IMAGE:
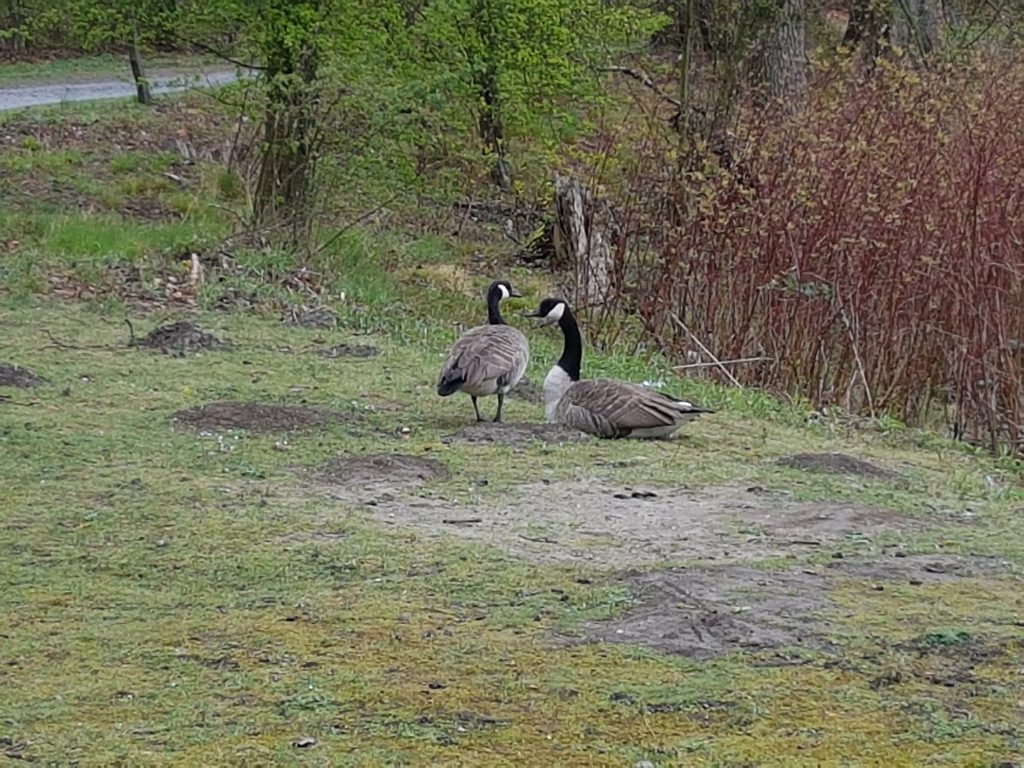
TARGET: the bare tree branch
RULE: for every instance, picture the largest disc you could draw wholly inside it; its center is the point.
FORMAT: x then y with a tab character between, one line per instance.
643	78
220	54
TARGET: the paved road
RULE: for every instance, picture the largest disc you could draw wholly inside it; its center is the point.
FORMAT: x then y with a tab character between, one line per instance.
59	93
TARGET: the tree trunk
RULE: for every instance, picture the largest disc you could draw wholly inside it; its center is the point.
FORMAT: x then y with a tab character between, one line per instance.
138	74
916	26
491	131
581	246
867	29
287	159
783	59
687	18
14	22
489	123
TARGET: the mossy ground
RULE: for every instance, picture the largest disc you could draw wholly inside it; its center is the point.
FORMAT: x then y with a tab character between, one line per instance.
175	597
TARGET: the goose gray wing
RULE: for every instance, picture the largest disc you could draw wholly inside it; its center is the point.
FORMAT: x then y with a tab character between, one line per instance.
611	408
487	353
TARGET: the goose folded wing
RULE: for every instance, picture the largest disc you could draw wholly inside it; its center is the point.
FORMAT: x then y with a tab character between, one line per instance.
489	355
624	405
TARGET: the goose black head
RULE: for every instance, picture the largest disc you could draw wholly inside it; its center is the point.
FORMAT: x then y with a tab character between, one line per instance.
550	311
502	289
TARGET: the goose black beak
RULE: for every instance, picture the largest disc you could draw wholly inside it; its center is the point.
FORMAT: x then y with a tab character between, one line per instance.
534	313
514	294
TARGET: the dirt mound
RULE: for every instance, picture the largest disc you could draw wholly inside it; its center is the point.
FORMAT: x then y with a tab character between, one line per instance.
705	612
837	464
180	339
257	417
919	569
489	433
391	469
310	317
12	375
527	390
351	350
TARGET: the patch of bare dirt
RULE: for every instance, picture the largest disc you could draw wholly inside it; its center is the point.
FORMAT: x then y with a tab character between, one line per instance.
12	375
180	339
351	350
387	470
489	433
919	569
148	209
703	613
258	417
623	527
709	611
310	317
837	464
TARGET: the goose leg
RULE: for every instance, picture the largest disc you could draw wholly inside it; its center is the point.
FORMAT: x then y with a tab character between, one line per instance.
476	408
501	402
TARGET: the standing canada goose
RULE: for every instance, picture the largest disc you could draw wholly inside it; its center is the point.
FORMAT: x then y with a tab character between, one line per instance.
603	407
489	359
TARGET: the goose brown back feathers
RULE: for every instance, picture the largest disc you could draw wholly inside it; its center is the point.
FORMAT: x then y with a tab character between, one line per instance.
611	408
489	359
603	407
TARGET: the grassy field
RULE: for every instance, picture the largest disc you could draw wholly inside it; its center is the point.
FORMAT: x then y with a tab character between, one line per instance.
203	562
107	67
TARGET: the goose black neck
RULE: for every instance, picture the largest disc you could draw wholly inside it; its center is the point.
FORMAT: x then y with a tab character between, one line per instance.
494	308
572	352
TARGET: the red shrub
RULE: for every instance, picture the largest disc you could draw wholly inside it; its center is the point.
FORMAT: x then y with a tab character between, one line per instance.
872	248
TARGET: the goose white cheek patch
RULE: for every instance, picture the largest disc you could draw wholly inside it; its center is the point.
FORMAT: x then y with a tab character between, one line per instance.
556	313
504	292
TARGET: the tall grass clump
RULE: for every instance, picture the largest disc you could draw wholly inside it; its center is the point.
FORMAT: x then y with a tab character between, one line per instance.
869	252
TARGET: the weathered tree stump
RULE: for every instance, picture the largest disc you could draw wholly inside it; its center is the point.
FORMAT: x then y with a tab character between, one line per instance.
583	252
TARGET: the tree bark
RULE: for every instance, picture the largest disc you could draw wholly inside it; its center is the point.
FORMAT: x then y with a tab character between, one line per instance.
687	18
916	26
489	123
581	245
143	93
492	133
783	59
287	158
867	32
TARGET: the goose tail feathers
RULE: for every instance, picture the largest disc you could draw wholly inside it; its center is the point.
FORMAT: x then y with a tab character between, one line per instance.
450	383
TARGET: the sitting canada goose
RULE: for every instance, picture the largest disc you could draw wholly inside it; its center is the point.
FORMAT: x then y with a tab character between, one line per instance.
489	359
603	407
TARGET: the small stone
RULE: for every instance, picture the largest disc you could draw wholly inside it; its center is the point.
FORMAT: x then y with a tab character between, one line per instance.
643	764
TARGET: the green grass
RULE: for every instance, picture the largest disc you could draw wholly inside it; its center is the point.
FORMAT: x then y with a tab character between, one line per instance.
171	595
105	67
180	598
